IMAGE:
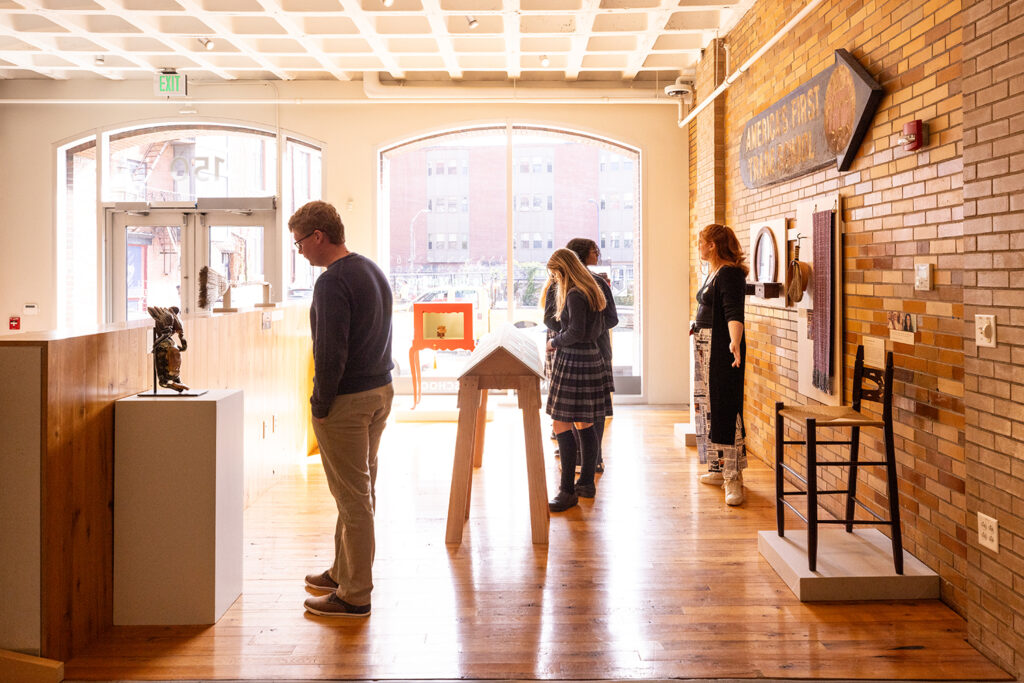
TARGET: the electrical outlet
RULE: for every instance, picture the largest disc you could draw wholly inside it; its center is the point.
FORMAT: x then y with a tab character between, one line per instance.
988	532
985	330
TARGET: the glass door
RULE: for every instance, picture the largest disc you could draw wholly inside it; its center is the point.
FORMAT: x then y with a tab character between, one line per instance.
155	255
145	257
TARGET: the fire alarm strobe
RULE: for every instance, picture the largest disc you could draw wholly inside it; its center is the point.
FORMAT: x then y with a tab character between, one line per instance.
14	323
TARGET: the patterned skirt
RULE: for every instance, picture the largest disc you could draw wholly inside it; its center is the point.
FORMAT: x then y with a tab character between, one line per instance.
730	459
581	387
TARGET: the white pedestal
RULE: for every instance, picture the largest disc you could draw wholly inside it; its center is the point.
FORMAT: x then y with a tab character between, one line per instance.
178	498
851	566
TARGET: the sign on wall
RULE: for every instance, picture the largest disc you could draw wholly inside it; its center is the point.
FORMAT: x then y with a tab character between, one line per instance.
823	120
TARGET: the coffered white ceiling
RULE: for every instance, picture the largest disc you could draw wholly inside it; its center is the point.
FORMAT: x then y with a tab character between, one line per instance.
427	40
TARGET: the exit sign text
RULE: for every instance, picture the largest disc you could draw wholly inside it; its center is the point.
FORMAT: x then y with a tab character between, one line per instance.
170	85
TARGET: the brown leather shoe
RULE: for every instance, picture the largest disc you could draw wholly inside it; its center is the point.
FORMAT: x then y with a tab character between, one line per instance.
321	582
333	606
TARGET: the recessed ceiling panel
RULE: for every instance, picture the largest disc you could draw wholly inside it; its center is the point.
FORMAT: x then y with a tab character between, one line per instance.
550	23
184	25
9	44
545	44
233	6
140	44
255	26
693	21
345	45
620	22
106	23
624	43
70	5
427	44
152	6
550	5
607	61
311	6
28	23
680	41
276	45
338	25
478	44
405	25
631	4
75	44
470	6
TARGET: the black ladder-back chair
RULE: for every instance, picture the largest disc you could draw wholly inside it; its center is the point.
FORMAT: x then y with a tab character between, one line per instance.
840	417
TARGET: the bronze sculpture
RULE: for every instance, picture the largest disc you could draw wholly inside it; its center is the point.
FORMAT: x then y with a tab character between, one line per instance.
167	356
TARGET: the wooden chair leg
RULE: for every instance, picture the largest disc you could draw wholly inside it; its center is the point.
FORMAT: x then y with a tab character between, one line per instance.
780	430
851	484
893	494
812	494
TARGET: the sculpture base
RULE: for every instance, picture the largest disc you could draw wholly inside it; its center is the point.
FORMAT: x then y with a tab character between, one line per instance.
171	393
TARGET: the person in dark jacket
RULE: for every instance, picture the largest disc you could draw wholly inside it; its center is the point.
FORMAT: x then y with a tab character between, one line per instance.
719	359
579	394
350	321
589	254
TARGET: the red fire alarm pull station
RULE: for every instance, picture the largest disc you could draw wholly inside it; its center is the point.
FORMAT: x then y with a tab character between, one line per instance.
15	323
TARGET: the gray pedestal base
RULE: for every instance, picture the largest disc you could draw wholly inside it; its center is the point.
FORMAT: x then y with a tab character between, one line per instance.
851	566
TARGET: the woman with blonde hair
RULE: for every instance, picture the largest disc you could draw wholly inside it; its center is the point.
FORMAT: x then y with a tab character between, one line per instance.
719	359
579	393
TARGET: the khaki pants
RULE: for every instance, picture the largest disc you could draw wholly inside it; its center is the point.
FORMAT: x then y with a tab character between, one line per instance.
348	439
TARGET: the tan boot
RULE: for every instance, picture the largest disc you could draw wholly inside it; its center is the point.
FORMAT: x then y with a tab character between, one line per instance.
712	478
734	491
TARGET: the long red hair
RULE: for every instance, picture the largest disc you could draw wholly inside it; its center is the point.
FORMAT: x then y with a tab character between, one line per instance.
726	244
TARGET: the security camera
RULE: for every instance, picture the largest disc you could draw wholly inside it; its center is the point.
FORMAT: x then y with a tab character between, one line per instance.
677	89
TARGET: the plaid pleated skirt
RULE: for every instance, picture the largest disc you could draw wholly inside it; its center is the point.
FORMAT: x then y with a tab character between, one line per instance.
581	386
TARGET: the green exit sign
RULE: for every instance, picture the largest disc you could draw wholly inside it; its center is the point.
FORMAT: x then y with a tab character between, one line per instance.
170	85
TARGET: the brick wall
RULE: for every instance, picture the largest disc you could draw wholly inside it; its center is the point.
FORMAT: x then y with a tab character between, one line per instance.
958	414
993	280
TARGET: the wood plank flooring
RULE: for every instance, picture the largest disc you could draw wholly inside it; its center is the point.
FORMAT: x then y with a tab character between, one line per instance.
655	578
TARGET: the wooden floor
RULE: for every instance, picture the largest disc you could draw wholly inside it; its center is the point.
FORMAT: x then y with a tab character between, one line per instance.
656	578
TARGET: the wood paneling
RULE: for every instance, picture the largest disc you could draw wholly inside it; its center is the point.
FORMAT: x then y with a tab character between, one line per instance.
656	578
83	376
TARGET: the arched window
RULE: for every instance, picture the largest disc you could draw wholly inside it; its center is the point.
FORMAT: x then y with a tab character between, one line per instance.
176	192
500	245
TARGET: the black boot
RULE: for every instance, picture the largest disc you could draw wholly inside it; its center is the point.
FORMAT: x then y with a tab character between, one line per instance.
588	445
567	453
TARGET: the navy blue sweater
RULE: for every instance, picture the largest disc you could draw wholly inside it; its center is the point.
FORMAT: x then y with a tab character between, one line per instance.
350	319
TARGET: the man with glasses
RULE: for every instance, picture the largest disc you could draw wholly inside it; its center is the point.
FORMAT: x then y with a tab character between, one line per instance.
350	321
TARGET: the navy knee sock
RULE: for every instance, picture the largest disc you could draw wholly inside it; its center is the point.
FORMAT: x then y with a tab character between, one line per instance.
588	445
567	454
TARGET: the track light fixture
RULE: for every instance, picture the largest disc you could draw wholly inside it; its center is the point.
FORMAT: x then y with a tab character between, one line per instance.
387	3
544	61
471	20
206	43
99	60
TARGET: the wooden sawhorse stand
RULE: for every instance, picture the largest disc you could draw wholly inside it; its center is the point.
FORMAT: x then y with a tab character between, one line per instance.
499	370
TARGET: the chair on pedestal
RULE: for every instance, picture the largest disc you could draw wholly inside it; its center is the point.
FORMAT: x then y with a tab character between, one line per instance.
840	418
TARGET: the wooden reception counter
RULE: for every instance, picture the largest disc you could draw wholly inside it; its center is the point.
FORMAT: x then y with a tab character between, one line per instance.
56	455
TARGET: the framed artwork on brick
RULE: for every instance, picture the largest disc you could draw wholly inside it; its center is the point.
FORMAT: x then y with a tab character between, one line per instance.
806	306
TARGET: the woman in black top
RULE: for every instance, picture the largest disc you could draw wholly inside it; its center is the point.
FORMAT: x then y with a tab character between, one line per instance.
579	392
719	355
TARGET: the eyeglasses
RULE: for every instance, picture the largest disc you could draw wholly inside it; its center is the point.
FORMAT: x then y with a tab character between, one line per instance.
298	242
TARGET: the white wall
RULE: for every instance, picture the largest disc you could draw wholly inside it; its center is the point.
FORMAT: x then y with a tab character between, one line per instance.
353	133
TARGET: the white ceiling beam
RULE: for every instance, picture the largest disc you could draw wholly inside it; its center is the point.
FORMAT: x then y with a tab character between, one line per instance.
223	31
439	27
656	21
581	37
510	13
368	32
180	46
